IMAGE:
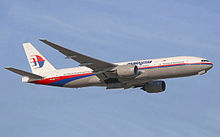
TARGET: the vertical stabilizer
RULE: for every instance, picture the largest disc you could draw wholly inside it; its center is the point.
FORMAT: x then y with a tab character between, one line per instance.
38	63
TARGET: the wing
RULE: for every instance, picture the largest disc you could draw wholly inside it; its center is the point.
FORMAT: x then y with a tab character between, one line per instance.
99	67
95	64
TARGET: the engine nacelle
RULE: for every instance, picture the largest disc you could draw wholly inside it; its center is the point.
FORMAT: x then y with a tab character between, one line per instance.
127	70
154	86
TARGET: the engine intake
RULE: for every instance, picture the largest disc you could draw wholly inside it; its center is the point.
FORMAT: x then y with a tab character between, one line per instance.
154	86
127	70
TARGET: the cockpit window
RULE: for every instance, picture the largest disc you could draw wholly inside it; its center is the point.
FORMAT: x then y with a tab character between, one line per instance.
204	60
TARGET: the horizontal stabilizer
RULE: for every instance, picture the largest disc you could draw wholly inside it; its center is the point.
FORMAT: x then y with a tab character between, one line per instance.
24	73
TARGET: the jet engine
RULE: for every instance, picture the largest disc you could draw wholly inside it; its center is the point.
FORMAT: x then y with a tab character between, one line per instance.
154	86
127	71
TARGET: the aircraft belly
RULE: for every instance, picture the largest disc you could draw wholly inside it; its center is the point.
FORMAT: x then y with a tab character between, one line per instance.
170	72
146	75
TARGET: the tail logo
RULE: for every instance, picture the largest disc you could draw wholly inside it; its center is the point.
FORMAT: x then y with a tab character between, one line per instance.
38	61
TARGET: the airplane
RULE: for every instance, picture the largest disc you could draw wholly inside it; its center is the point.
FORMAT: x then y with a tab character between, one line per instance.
144	74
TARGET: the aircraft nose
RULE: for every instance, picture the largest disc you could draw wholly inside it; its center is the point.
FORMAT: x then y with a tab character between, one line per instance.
209	66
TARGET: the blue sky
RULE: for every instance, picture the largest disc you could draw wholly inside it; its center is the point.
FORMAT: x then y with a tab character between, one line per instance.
114	31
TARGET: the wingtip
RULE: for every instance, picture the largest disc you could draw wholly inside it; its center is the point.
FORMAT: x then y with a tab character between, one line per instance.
7	68
26	43
42	40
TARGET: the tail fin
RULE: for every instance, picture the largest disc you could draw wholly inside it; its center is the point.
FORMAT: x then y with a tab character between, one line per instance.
38	63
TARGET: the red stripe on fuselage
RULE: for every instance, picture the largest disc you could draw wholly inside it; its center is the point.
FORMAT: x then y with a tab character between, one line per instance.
47	81
169	65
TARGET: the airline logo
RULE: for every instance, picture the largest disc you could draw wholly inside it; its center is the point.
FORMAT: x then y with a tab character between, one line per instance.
140	62
38	61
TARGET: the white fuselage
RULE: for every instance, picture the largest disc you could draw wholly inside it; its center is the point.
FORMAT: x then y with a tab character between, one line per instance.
150	69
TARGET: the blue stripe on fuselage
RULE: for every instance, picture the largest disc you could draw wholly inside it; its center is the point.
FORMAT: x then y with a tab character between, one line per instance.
163	66
64	81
